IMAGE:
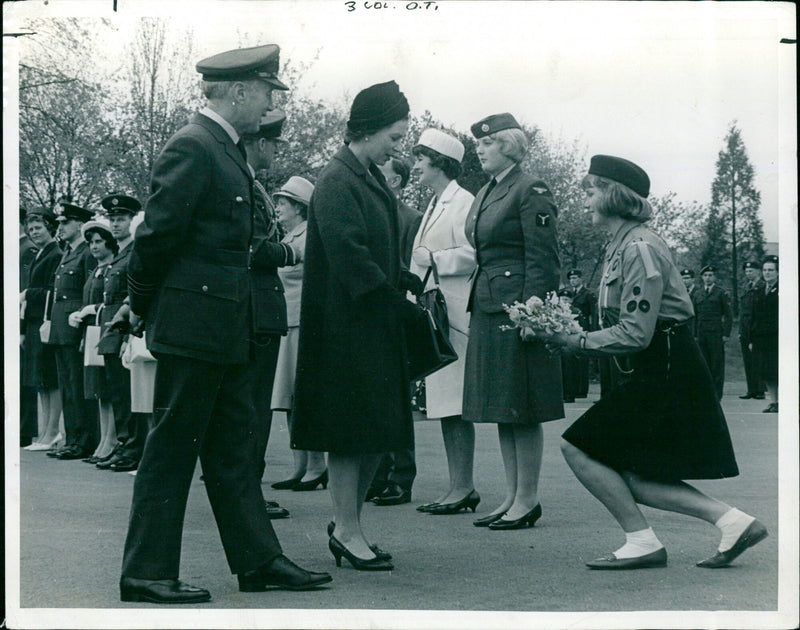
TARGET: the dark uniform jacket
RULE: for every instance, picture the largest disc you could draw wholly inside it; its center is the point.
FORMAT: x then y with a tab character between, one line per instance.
41	275
520	257
746	312
27	252
712	311
75	267
765	312
202	271
115	290
586	303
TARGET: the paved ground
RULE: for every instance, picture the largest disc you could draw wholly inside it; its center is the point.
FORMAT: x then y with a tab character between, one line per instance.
73	521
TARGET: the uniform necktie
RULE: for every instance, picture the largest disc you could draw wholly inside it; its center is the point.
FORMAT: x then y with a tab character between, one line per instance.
240	146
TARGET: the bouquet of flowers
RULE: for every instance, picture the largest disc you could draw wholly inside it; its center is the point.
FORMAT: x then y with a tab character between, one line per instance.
546	317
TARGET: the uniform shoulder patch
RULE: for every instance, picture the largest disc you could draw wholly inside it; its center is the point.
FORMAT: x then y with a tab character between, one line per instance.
542	219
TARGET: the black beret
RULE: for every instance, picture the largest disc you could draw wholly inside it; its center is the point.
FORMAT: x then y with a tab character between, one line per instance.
69	211
710	268
494	123
687	272
376	107
622	171
770	258
750	265
574	272
42	212
565	292
120	204
244	64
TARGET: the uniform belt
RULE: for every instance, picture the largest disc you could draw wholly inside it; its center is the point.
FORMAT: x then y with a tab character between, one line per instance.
667	325
224	257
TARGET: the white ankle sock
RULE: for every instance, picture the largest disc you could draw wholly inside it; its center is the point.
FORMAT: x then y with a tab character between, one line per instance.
732	524
639	544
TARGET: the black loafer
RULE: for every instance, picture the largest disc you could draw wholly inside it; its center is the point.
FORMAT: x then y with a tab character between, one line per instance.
393	495
71	452
275	511
657	558
161	591
755	533
281	573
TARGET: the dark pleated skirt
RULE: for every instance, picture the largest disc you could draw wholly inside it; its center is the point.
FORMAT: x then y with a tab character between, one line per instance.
507	380
38	361
663	421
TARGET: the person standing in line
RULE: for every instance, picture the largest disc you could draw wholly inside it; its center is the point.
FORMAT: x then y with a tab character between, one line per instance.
352	390
28	422
637	444
191	276
713	323
291	202
688	278
755	388
764	331
131	428
260	148
441	242
586	302
39	367
511	381
395	476
96	387
77	264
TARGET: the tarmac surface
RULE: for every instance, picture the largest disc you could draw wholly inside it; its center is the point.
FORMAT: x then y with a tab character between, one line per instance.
73	521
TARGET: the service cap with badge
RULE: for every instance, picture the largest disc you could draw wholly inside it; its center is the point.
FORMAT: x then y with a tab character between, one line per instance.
574	273
493	124
66	211
244	64
118	203
271	125
708	269
687	273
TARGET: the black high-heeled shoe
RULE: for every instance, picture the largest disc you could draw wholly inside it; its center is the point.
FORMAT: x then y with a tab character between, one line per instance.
526	520
311	484
286	484
469	502
487	520
426	507
372	564
379	553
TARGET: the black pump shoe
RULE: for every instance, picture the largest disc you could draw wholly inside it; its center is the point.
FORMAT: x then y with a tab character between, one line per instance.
286	484
311	484
487	520
372	564
379	553
526	520
469	502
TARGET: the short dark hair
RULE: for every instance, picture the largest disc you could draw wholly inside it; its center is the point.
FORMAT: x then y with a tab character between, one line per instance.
401	168
49	223
110	241
450	167
302	208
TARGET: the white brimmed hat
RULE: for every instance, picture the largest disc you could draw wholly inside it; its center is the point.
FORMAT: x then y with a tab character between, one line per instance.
297	188
97	222
443	143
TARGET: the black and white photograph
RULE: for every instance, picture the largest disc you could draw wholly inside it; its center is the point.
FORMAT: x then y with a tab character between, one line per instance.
400	314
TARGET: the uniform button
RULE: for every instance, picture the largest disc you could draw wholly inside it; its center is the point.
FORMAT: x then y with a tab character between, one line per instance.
507	273
205	288
239	199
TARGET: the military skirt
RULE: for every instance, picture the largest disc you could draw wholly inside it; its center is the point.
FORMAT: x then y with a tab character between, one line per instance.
508	380
663	420
38	360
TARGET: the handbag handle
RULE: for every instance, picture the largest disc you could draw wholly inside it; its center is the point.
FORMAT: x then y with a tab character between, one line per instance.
97	315
433	269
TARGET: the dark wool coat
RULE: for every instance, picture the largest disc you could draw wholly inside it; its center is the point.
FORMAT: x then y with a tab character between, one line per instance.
73	270
201	270
352	393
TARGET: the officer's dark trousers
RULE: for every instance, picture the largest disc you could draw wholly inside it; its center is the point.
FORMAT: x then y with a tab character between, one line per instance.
754	384
206	410
396	467
713	350
80	415
265	353
131	427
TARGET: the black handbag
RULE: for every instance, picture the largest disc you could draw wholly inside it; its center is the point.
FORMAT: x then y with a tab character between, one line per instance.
428	341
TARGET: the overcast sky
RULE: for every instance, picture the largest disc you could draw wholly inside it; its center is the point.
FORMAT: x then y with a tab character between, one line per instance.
657	83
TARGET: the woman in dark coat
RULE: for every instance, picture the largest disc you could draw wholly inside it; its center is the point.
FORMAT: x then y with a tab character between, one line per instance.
764	331
663	424
511	381
39	369
352	396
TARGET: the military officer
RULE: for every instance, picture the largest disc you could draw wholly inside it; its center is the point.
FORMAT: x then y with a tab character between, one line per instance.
586	302
755	388
131	428
192	277
80	415
712	324
688	276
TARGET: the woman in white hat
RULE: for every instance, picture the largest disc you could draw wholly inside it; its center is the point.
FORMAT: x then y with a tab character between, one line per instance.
441	244
291	203
103	247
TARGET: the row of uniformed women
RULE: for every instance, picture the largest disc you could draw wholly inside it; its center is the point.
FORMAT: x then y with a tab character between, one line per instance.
351	396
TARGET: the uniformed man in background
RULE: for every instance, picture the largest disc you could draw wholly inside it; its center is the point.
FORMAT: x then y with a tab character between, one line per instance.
585	301
755	388
191	276
713	323
80	415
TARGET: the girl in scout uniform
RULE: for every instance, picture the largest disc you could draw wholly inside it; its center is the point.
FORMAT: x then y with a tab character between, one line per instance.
663	424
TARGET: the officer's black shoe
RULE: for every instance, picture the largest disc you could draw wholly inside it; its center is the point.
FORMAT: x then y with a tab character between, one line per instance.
281	573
